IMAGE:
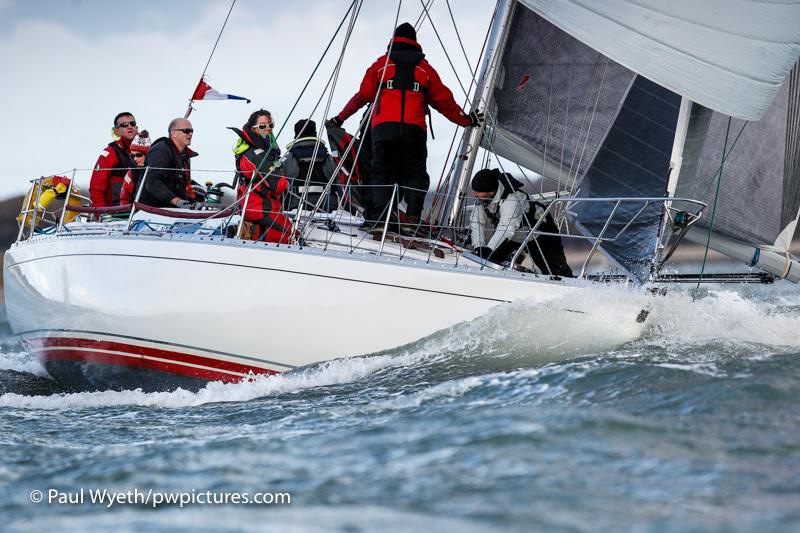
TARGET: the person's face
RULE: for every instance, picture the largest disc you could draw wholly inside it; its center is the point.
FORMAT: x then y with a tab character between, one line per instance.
126	127
485	197
182	134
138	158
263	125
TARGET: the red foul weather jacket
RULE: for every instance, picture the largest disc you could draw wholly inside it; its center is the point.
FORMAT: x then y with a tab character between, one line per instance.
264	207
109	172
404	106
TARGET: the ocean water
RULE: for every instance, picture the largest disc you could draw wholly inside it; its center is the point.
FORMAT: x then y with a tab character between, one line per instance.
529	419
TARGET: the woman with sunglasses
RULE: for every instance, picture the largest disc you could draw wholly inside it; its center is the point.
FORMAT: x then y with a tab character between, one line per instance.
257	155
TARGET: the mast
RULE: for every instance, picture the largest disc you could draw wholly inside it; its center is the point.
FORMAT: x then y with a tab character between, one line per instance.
675	163
471	139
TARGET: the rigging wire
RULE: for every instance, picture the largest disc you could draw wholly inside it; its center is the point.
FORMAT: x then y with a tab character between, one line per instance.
725	151
213	49
332	83
445	181
367	117
243	200
421	17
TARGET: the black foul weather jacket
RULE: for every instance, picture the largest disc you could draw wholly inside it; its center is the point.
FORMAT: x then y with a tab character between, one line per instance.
169	174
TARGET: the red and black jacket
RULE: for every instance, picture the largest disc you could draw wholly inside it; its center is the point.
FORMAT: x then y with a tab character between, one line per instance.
263	205
109	172
403	101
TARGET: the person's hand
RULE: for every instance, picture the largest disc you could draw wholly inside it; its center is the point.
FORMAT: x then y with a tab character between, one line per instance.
475	118
336	121
184	204
483	252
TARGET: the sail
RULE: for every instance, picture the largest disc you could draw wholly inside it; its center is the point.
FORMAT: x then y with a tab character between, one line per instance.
727	55
555	100
589	93
573	115
758	179
632	162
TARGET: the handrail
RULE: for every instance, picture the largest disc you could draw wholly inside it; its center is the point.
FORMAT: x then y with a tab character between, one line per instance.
196	214
408	241
600	238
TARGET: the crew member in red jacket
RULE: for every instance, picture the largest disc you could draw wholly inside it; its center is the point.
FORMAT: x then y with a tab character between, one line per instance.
113	164
259	184
405	85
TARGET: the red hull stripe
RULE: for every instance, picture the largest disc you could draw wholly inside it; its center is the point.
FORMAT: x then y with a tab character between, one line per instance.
97	351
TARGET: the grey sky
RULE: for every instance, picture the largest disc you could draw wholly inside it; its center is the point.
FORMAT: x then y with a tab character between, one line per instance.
69	66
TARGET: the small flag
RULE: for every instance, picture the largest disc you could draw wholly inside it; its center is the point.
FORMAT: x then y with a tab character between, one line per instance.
523	82
205	92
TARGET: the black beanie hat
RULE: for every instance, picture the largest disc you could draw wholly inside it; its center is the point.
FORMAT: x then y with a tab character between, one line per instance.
310	129
406	30
486	180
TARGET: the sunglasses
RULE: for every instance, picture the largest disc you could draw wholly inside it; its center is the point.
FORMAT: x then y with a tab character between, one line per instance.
263	126
137	154
187	131
132	124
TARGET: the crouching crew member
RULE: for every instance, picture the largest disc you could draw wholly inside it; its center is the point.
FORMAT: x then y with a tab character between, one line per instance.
502	202
257	155
301	157
168	183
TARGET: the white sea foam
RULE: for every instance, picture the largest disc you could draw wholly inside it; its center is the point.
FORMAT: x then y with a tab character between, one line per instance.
577	324
722	316
335	372
21	362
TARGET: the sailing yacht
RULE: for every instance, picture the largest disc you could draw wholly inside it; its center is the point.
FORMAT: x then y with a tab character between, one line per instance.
659	124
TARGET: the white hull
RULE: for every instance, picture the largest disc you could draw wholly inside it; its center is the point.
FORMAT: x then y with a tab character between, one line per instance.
208	308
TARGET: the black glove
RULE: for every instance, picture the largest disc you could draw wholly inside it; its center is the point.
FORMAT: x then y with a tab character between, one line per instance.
475	118
483	252
336	121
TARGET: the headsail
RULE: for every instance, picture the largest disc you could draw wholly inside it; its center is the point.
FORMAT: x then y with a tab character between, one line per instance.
591	124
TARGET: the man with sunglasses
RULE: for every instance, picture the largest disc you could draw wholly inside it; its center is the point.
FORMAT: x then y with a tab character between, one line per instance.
168	182
114	163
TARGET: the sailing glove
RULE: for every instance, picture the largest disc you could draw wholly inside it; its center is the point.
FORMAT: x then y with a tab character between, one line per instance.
475	118
336	121
184	204
483	252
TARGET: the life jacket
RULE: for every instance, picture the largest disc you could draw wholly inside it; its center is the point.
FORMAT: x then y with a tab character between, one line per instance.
404	97
120	170
309	160
533	212
254	152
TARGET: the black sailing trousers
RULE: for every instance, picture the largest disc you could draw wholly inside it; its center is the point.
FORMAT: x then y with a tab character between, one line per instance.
401	162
